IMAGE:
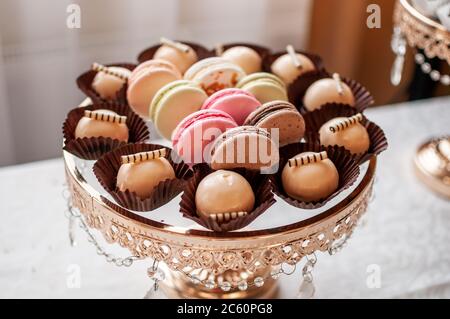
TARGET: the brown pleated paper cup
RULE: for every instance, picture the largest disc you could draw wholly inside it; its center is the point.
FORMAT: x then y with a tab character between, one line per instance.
263	199
345	164
84	82
94	147
107	167
314	121
201	51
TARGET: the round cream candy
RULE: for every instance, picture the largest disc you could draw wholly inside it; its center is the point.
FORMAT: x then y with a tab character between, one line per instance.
354	138
245	57
143	177
310	182
182	60
326	91
284	67
224	192
107	85
88	127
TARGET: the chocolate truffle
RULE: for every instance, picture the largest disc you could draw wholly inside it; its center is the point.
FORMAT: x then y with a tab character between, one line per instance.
177	53
290	66
109	80
346	132
326	91
310	177
102	123
224	195
142	172
245	57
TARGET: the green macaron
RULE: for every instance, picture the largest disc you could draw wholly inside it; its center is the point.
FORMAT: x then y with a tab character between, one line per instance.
265	87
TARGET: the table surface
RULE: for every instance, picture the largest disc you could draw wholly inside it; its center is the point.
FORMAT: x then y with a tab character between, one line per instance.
401	250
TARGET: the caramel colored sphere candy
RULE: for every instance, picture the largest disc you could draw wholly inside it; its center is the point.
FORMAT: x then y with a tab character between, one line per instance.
284	67
326	91
107	85
182	60
89	127
245	57
143	177
354	138
310	182
224	192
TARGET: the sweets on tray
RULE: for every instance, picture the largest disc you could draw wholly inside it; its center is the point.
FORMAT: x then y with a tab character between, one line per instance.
247	58
264	86
109	80
224	195
279	115
142	172
173	102
310	176
347	132
291	65
145	80
328	90
179	54
102	123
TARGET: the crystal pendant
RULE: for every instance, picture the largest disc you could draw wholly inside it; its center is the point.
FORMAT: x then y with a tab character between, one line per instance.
306	290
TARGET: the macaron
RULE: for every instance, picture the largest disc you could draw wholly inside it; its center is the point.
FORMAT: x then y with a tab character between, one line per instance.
179	54
264	86
247	58
328	90
173	102
279	115
145	80
215	74
291	65
246	147
193	136
235	102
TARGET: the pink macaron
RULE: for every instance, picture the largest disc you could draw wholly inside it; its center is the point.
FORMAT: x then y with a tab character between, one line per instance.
235	102
192	139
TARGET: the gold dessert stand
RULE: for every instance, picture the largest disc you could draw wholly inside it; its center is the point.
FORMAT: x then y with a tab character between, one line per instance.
192	256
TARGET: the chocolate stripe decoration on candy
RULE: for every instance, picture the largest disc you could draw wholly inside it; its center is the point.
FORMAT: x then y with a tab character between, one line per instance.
176	45
346	123
227	216
307	159
338	80
101	68
106	117
143	156
290	50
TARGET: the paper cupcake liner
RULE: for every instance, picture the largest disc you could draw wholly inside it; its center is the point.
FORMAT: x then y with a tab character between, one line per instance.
263	199
314	121
363	98
84	82
262	50
202	52
107	167
345	164
93	147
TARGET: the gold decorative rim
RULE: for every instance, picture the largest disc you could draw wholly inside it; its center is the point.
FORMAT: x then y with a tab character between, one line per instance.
422	32
180	247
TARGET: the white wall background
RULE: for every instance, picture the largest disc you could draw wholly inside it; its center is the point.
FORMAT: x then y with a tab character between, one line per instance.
40	57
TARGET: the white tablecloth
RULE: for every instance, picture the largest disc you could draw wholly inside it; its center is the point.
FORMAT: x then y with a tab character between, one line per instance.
402	251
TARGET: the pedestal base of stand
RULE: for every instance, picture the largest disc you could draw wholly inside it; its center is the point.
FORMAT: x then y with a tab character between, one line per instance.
178	285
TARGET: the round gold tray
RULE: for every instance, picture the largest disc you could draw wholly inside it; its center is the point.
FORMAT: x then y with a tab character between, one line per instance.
422	32
181	248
